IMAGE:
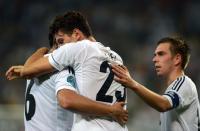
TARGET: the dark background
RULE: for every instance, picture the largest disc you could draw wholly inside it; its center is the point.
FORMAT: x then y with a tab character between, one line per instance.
130	27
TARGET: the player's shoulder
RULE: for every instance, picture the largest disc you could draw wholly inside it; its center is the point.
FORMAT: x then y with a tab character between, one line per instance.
111	54
45	78
184	85
187	82
115	58
118	57
177	84
77	44
190	85
66	70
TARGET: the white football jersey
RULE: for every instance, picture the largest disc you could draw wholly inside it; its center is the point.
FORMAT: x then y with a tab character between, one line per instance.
94	77
184	115
42	110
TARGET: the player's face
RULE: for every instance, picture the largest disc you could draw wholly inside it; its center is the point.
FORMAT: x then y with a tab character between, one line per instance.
163	59
63	38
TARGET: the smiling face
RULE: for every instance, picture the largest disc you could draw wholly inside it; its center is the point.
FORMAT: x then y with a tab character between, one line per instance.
163	59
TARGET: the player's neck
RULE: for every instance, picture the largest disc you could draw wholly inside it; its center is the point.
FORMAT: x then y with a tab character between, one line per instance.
83	38
174	75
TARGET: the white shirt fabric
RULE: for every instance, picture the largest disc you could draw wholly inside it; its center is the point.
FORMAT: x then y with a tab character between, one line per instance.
42	110
90	61
184	115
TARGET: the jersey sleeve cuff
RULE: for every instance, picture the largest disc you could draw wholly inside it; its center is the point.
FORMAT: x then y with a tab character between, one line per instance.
169	99
173	98
65	87
54	63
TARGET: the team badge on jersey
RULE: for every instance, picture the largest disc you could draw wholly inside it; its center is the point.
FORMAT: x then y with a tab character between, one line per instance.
72	81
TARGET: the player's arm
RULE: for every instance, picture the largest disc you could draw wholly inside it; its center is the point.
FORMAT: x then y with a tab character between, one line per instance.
59	59
36	65
15	72
70	100
153	99
36	55
37	68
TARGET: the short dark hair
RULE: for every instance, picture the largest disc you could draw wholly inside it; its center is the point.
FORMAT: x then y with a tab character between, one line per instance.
51	38
178	46
67	23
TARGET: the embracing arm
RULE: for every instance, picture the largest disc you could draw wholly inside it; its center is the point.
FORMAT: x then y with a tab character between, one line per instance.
153	99
36	55
70	100
39	67
35	65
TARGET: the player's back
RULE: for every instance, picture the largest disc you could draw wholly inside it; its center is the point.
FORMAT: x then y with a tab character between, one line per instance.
94	76
95	81
42	111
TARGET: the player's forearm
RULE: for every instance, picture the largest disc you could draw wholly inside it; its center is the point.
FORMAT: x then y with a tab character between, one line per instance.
156	101
80	104
39	67
35	56
86	106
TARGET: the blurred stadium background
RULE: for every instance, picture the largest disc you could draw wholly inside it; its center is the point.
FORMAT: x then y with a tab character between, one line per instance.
130	27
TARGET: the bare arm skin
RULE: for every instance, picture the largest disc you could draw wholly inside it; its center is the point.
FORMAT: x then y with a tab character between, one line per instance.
39	67
15	72
153	99
70	100
36	55
33	67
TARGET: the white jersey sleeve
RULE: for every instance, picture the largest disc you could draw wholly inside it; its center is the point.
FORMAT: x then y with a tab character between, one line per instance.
65	55
66	80
180	93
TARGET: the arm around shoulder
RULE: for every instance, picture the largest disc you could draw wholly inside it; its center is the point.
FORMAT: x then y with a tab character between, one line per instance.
37	68
36	55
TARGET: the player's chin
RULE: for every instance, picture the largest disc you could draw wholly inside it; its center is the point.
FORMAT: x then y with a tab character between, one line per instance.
159	73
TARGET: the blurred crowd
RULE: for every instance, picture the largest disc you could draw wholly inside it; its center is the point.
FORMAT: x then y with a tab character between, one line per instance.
130	27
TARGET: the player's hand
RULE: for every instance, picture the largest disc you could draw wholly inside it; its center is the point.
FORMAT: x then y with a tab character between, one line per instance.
123	76
119	114
14	72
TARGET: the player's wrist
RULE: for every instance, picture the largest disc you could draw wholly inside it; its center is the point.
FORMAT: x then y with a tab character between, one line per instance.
111	111
114	112
23	73
134	85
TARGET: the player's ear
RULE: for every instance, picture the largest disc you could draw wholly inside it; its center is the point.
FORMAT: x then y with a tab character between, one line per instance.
77	35
177	59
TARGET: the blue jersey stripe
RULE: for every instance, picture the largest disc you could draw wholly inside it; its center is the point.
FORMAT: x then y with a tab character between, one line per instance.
177	83
174	97
181	84
54	60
